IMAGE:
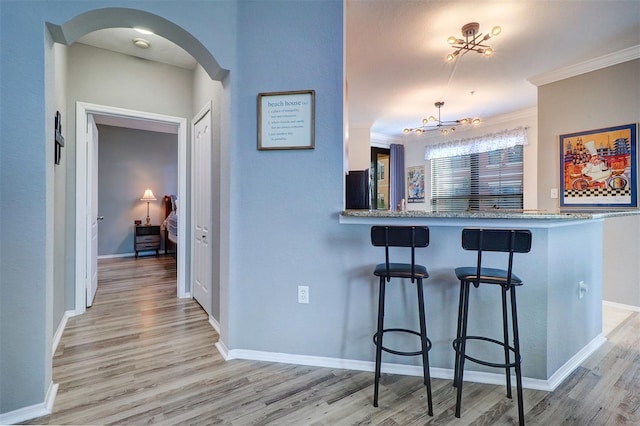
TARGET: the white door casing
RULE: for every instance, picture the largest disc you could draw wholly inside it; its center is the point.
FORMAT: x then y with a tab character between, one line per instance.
92	210
201	202
83	168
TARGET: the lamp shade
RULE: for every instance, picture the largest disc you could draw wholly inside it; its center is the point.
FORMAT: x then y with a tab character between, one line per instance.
148	195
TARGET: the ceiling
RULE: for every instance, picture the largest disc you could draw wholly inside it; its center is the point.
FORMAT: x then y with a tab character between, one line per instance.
396	68
121	40
395	52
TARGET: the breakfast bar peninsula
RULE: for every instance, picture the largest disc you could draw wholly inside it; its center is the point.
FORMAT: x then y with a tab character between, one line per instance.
559	304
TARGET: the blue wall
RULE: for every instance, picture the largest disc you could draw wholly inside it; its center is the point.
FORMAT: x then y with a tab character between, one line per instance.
130	161
284	204
287	201
23	192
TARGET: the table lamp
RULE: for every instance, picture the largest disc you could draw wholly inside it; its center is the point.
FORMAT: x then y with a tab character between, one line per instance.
148	197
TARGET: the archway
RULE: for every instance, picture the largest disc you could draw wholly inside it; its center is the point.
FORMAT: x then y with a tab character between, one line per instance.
118	17
74	29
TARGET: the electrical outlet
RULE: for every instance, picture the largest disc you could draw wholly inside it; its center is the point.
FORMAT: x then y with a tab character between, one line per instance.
303	294
554	193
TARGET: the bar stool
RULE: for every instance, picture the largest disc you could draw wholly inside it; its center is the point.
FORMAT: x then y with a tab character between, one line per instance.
492	240
401	236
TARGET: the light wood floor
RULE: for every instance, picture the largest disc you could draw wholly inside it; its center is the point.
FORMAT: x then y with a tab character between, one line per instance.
142	356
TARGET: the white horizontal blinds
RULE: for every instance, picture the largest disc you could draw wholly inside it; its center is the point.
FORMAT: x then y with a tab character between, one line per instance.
479	181
450	183
499	179
478	173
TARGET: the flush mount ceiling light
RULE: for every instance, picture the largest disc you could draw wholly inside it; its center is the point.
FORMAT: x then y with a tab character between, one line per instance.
141	43
445	127
143	31
473	41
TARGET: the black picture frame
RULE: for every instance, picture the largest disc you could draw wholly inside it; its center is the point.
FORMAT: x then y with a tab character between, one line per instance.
58	138
286	120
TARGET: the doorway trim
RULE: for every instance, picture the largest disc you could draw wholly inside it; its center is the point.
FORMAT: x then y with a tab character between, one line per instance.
214	239
83	109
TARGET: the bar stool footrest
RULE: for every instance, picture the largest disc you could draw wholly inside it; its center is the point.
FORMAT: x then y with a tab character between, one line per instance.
456	347
403	353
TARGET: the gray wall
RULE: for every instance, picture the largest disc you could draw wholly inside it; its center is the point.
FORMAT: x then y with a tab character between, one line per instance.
60	298
130	161
109	78
598	99
621	283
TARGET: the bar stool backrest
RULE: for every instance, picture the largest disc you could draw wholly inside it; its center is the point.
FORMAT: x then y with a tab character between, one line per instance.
496	240
400	236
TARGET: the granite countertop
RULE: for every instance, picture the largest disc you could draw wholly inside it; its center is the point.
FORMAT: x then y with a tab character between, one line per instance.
495	214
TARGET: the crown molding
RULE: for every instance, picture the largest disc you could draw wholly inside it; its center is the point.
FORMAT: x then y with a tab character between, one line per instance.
384	141
595	64
522	114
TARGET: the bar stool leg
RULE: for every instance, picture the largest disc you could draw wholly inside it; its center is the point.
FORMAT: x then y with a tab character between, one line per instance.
425	349
462	345
379	340
505	329
458	334
518	362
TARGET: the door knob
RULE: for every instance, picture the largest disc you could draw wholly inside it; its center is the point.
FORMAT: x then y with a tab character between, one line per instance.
100	217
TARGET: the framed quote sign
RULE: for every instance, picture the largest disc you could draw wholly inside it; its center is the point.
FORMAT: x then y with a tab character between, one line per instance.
286	120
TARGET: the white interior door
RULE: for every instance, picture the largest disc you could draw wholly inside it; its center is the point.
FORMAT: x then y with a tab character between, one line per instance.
201	196
92	209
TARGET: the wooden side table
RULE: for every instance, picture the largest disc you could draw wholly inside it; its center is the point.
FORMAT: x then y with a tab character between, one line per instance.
146	237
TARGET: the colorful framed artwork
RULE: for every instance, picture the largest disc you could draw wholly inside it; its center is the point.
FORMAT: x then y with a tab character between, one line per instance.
598	168
415	184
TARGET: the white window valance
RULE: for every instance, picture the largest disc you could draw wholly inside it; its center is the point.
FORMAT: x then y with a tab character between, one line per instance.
485	143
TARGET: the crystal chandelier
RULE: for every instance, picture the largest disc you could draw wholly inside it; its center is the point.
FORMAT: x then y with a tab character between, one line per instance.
445	127
473	40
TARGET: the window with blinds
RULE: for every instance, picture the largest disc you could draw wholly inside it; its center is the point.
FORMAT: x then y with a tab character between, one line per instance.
475	182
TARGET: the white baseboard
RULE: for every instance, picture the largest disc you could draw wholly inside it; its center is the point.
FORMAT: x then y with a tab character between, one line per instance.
350	364
316	361
621	306
33	411
223	349
563	372
51	397
415	370
114	256
60	330
215	324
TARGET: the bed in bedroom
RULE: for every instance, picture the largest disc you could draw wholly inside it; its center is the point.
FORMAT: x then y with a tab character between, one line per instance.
170	223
